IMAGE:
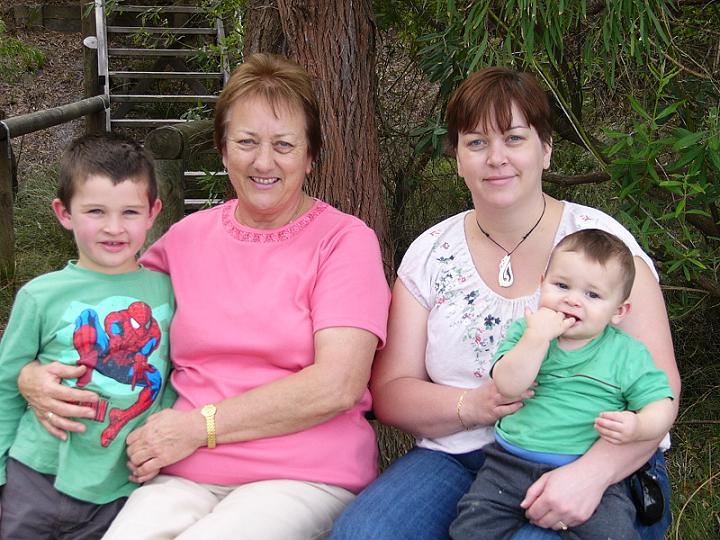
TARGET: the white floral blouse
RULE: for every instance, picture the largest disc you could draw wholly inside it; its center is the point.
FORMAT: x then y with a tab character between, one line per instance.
467	320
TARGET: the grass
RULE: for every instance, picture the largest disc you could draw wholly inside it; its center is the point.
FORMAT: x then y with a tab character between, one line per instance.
693	461
17	57
41	244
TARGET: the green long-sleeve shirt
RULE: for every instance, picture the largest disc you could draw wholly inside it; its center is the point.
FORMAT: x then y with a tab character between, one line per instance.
118	322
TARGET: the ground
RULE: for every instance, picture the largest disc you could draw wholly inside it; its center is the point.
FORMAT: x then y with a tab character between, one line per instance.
59	82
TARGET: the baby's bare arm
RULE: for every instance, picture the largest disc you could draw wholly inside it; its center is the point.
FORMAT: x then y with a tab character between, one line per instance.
518	368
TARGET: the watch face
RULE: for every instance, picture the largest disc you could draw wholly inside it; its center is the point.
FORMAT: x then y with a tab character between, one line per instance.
208	410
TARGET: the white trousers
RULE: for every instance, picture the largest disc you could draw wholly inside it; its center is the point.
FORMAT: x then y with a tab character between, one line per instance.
169	507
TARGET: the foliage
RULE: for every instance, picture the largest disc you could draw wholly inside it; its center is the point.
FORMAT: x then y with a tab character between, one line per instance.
666	174
17	57
230	50
41	244
629	85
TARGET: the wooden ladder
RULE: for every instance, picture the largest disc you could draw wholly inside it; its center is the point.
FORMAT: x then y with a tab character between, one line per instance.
128	88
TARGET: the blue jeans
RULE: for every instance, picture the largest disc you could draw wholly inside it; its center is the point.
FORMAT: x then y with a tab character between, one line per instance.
416	499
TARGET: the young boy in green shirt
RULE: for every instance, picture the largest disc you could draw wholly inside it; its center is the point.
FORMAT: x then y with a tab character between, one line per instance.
592	380
103	312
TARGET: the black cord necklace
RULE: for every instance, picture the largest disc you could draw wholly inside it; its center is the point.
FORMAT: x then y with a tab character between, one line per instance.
505	274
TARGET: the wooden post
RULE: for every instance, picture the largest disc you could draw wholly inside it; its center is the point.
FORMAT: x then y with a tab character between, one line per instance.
171	191
7	232
94	123
172	146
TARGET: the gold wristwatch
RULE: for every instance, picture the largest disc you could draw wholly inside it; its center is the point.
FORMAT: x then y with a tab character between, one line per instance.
208	411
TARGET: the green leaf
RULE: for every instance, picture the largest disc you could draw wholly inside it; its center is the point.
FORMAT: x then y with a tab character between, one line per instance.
688	140
670	184
479	53
670	109
616	148
680	208
658	26
638	108
714	158
529	34
698	212
697	163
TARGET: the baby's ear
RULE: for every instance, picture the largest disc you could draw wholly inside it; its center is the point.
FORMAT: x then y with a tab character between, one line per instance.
62	213
622	310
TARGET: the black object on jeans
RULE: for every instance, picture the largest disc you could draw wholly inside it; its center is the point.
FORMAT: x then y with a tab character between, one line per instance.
647	495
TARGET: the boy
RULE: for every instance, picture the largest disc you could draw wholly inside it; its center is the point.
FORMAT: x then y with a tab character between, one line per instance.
583	366
103	312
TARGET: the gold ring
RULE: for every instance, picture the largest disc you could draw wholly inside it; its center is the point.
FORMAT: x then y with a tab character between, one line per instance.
562	525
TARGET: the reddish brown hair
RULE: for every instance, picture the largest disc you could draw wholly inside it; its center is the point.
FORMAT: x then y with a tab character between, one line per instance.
488	95
600	247
281	82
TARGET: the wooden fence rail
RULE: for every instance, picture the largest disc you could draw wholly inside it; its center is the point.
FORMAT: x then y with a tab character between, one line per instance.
16	127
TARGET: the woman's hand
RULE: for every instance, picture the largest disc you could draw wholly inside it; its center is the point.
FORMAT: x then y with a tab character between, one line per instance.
563	496
484	405
53	402
166	438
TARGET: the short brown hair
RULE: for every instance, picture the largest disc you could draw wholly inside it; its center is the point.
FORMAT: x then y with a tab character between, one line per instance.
114	156
489	94
600	247
279	81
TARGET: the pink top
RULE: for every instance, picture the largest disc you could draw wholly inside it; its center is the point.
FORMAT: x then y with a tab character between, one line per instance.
248	305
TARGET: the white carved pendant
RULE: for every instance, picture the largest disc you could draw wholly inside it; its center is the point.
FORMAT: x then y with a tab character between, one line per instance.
505	275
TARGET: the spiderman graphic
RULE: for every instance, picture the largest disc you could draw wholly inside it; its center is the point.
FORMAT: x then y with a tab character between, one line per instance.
120	350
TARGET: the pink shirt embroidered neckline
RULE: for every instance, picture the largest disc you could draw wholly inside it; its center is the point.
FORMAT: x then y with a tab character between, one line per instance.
260	236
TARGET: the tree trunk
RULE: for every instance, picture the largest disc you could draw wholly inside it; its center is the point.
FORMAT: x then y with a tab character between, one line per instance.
263	30
335	41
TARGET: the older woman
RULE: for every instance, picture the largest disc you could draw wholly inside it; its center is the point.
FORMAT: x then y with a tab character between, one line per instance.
459	287
282	303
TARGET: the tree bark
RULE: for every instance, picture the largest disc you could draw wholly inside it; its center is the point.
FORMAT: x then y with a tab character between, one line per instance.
263	30
335	41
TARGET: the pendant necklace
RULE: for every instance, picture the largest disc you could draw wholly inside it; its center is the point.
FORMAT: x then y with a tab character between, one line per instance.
505	273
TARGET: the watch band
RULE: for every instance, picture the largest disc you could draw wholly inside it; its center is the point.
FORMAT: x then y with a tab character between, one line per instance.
208	411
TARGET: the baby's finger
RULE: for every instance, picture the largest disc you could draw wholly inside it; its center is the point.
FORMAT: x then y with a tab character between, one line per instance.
607	425
610	438
567	323
612	415
527	394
